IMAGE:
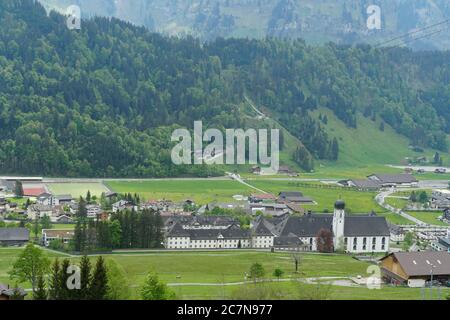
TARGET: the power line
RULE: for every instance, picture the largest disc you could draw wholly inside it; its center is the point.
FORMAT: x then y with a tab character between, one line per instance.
428	35
413	32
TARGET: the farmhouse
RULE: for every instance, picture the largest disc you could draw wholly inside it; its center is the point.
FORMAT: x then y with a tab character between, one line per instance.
365	184
48	235
394	180
258	198
14	236
37	211
293	196
415	268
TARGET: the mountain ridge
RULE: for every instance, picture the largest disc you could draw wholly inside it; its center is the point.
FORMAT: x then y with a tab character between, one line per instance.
317	21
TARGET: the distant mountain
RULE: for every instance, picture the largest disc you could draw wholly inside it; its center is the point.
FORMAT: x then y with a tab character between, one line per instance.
103	101
317	21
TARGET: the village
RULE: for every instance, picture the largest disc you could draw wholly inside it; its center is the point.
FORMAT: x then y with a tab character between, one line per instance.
282	222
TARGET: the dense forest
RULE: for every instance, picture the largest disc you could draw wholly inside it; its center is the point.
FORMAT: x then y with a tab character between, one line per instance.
102	101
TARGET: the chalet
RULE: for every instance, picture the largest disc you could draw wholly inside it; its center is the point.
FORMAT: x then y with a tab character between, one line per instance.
272	209
93	210
442	243
415	268
7	293
49	235
123	205
258	198
14	236
54	200
63	219
63	199
394	180
397	233
44	199
294	196
36	211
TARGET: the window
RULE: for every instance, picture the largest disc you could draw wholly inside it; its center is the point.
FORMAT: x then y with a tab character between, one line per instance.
345	241
364	241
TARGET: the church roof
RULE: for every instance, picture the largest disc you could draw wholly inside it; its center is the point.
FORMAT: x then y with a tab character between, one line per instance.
370	226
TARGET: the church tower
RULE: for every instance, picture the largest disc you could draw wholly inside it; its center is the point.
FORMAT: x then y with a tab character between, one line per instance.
338	224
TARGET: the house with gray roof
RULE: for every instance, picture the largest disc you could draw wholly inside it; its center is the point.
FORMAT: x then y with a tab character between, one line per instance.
365	184
14	236
7	293
416	268
294	196
394	180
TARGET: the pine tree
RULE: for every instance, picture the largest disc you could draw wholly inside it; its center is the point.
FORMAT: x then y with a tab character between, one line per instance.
99	284
41	292
65	292
54	285
18	191
85	278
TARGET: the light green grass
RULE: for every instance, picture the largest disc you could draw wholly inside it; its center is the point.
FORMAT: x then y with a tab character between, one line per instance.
355	201
201	191
77	189
428	217
230	266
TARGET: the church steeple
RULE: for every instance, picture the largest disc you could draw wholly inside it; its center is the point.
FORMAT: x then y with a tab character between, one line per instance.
338	224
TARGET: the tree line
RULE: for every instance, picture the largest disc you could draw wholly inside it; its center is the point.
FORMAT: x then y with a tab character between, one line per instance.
104	100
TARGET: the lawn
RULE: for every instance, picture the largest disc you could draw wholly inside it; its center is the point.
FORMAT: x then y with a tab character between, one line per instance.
428	217
216	267
77	189
202	191
356	201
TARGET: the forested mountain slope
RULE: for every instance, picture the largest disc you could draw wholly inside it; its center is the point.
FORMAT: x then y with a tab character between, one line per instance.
103	101
317	21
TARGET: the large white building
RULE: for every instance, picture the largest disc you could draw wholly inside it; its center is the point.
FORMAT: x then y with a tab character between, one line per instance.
350	233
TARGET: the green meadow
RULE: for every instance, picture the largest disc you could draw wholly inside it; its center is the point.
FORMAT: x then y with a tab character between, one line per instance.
77	189
202	191
209	270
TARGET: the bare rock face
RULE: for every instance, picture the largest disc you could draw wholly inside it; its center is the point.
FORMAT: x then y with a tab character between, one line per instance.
318	21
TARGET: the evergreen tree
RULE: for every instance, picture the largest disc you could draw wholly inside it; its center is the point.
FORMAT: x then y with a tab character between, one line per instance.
41	292
99	284
18	190
85	278
55	281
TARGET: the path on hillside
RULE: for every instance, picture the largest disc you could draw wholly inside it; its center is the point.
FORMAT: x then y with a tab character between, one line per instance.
238	178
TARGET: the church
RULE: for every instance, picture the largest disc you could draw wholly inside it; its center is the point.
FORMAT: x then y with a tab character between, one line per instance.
351	233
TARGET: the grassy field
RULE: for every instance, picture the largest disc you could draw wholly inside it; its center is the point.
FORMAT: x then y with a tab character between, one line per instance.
77	189
356	201
217	267
428	217
201	191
